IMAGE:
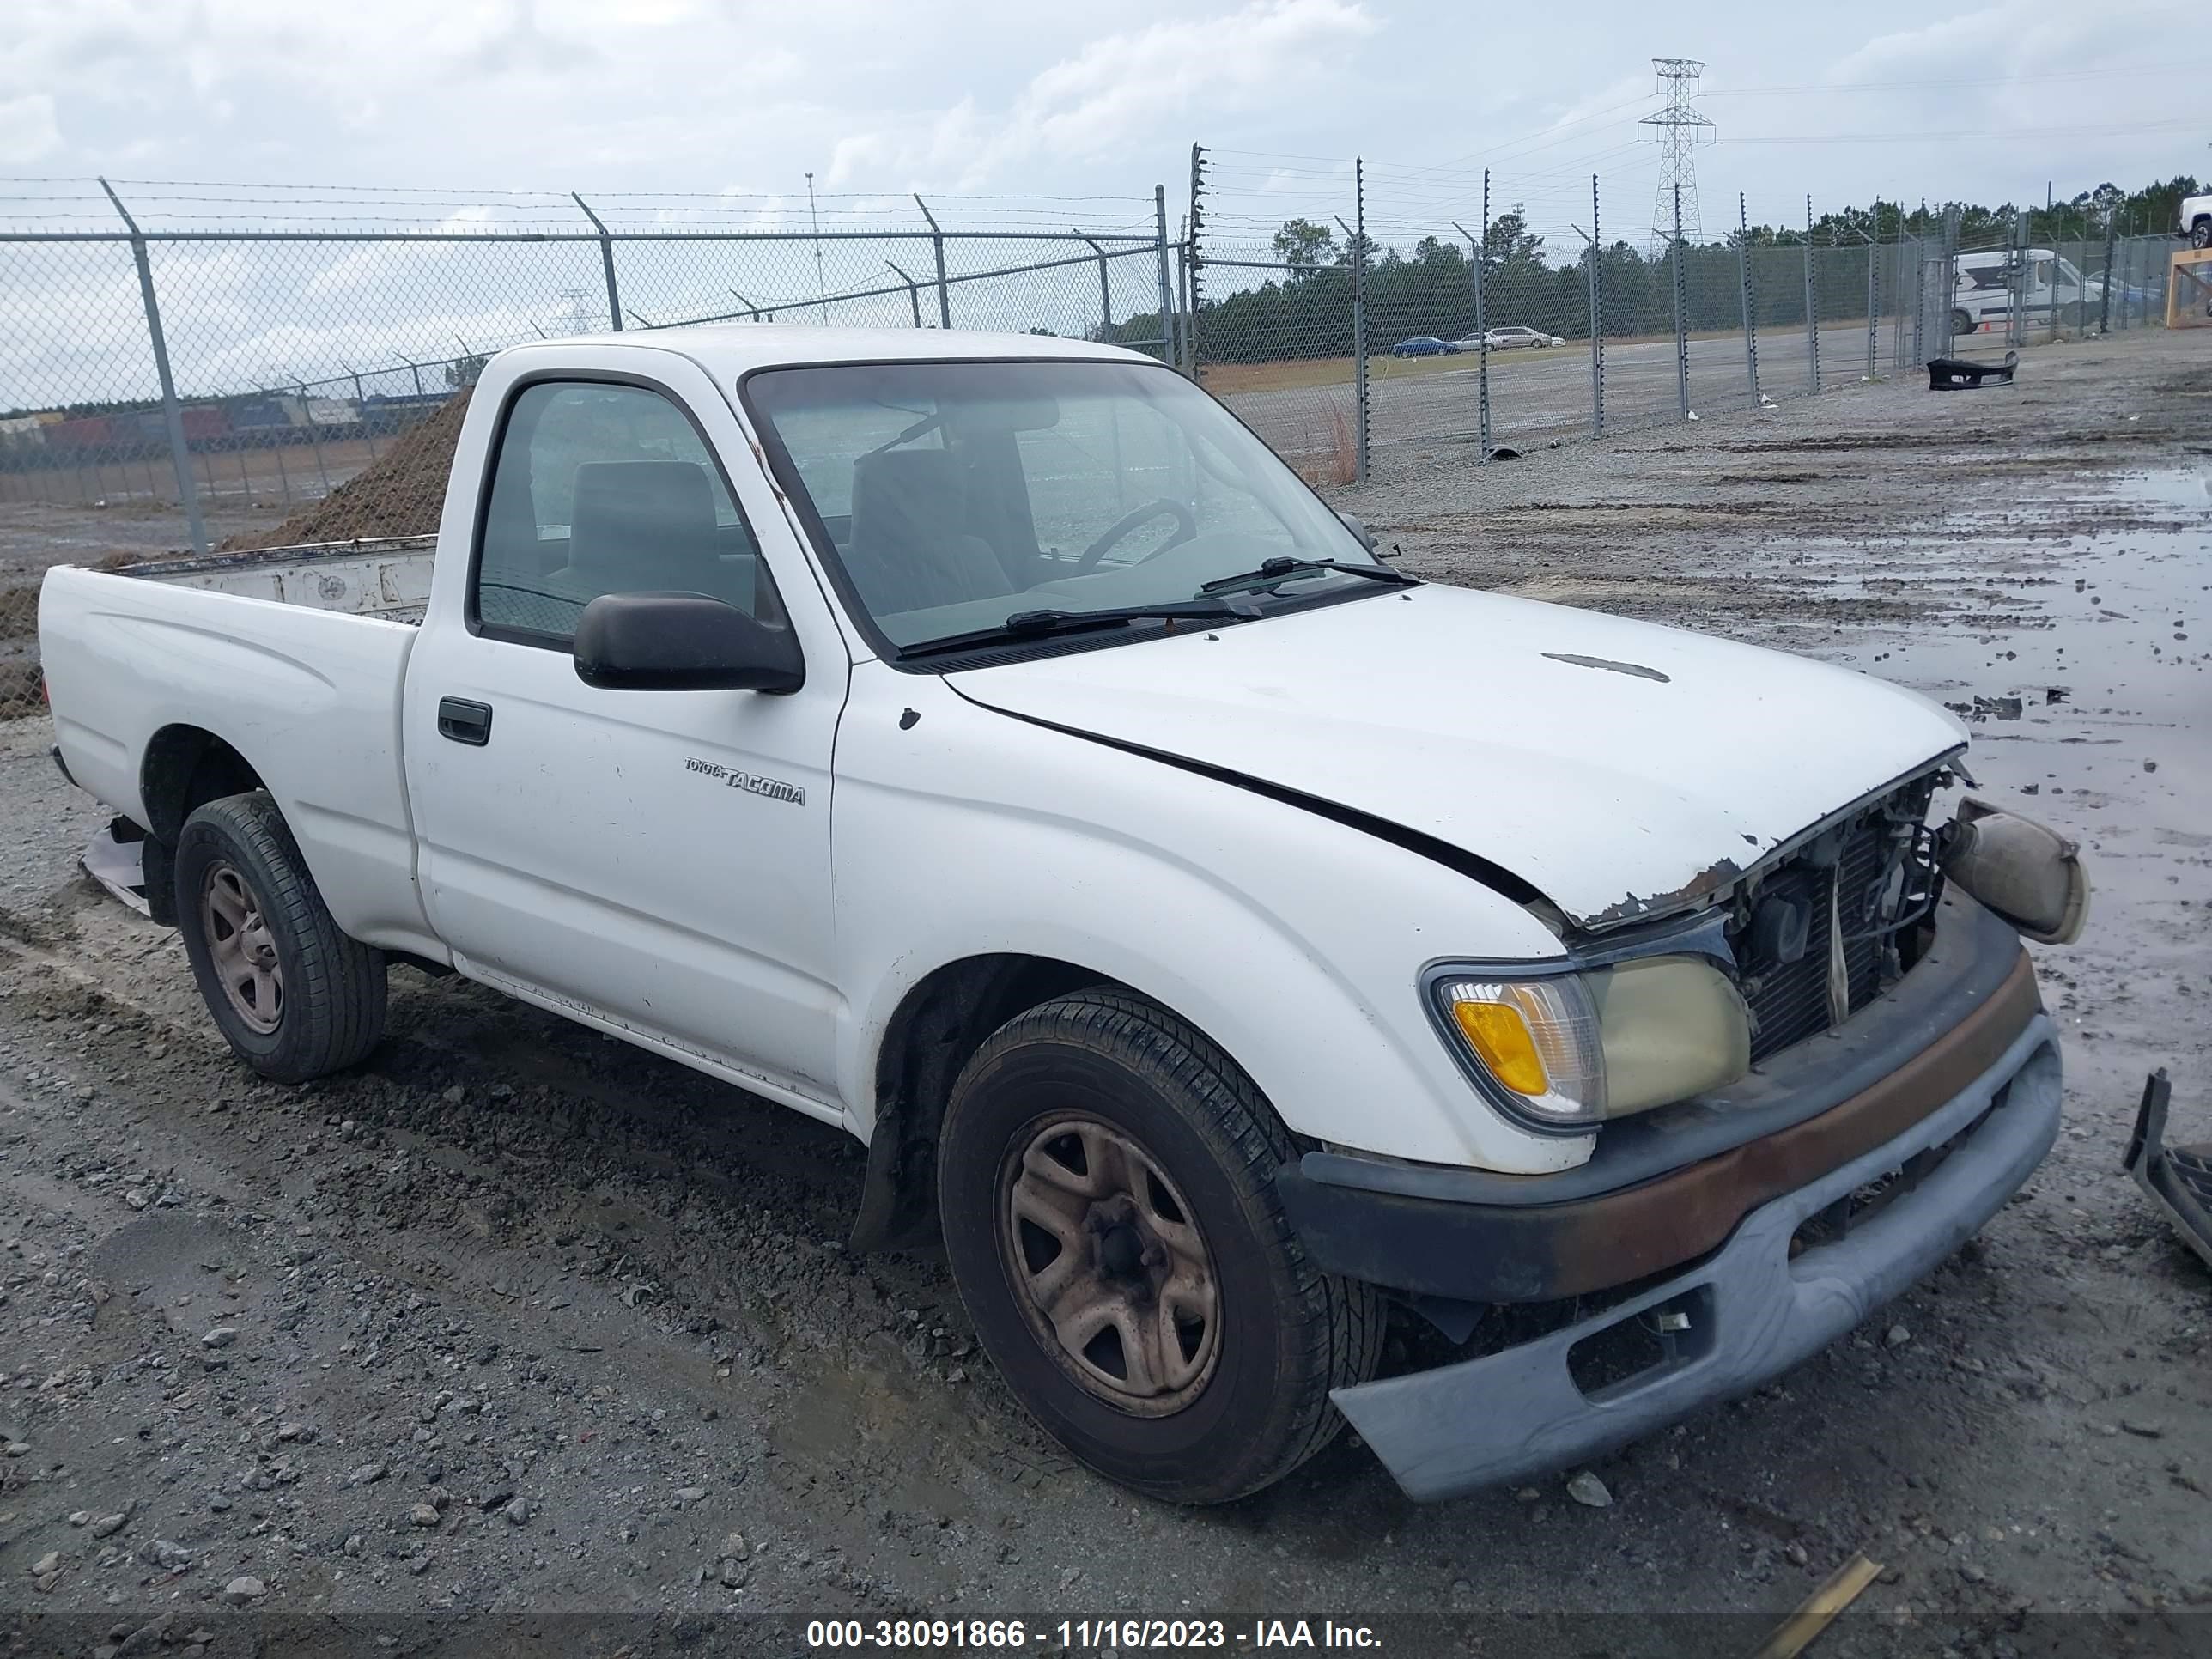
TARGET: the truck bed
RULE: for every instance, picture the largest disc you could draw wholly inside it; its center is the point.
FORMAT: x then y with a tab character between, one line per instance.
294	657
388	578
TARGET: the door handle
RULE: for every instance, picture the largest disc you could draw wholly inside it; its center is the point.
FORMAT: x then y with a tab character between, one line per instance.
464	722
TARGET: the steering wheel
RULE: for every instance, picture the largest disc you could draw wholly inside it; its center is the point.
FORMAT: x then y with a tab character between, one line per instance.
1185	527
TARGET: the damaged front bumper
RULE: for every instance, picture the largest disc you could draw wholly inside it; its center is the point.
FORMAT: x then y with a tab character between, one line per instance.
1767	1300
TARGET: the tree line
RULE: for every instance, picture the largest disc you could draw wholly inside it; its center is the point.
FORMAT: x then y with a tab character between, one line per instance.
1429	290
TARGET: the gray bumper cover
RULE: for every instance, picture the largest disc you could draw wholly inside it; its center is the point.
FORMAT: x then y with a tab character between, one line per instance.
1519	1412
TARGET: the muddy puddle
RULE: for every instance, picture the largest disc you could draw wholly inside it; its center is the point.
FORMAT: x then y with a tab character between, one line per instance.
2072	634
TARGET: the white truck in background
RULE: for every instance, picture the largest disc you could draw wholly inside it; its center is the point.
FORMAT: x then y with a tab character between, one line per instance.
2195	217
1219	940
2042	283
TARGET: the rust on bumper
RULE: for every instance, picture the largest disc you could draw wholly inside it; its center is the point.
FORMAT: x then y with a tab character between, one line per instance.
1476	1249
1620	1236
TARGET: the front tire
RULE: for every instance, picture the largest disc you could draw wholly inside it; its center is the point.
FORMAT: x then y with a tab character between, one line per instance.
2200	234
1961	323
1105	1182
294	996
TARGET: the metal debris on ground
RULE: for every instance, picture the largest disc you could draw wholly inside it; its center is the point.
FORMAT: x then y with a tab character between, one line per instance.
2178	1178
115	864
1964	374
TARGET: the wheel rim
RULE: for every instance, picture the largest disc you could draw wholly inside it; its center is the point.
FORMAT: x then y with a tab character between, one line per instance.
240	949
1108	1267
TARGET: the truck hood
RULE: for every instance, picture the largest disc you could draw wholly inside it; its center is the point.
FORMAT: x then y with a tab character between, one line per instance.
1621	768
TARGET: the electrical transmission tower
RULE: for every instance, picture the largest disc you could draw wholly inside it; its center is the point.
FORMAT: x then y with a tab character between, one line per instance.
1681	129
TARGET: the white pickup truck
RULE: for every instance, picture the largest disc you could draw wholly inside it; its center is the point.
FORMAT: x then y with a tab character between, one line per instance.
1220	940
2196	220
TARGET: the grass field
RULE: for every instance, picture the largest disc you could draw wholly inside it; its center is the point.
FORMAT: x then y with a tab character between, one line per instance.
1303	374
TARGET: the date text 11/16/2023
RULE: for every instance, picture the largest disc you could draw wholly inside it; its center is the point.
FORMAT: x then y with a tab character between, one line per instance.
1084	1635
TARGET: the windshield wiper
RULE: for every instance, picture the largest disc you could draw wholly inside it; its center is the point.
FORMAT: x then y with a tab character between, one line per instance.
1275	570
1036	624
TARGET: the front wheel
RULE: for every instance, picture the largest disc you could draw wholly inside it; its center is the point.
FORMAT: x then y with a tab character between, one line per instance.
294	996
1961	323
2200	234
1105	1182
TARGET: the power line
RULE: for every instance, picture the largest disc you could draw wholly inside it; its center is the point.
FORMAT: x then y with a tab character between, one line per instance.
1975	80
2114	131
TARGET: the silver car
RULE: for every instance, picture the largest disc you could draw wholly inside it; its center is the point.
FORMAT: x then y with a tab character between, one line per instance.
1505	339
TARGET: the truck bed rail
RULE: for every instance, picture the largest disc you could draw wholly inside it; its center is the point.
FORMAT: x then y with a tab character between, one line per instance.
387	577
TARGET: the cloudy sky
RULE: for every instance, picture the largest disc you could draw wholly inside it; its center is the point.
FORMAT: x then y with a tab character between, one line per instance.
1017	97
456	114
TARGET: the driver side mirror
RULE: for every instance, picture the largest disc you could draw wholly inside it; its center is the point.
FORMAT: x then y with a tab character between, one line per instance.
683	642
1358	528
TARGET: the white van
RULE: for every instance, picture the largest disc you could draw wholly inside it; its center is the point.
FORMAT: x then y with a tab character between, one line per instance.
1982	295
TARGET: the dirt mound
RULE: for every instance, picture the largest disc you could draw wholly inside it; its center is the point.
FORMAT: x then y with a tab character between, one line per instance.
397	495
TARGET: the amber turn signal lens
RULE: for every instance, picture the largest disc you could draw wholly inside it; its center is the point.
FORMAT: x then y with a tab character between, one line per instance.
1500	1039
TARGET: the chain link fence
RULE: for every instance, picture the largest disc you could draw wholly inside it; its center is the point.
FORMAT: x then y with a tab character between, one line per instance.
1369	321
299	373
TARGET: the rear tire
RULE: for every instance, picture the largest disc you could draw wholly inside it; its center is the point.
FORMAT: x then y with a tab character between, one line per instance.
1106	1186
294	996
2200	234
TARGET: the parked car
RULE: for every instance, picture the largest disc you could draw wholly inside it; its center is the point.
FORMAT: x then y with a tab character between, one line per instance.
1506	339
766	700
1468	343
1423	345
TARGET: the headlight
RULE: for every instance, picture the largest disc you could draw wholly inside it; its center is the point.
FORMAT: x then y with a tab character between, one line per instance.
1571	1050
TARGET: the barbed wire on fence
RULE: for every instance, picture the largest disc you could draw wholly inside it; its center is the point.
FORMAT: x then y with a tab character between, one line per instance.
209	362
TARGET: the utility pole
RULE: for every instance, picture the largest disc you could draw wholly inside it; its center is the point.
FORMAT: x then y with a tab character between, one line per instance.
1169	354
1812	304
912	293
606	263
1105	289
1195	264
1681	313
1680	129
173	420
1358	238
1750	295
821	285
937	244
1597	316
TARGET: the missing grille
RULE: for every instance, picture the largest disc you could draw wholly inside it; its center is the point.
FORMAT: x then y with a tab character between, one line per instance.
1856	890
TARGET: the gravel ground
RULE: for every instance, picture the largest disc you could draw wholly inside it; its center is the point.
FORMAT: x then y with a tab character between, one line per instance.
517	1324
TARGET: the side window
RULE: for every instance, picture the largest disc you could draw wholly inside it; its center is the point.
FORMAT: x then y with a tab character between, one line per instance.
600	488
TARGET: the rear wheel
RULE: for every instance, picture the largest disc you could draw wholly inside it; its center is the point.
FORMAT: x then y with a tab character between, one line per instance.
2200	234
1106	1188
294	996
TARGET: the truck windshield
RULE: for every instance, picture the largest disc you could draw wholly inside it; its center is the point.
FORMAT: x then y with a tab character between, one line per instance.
948	496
